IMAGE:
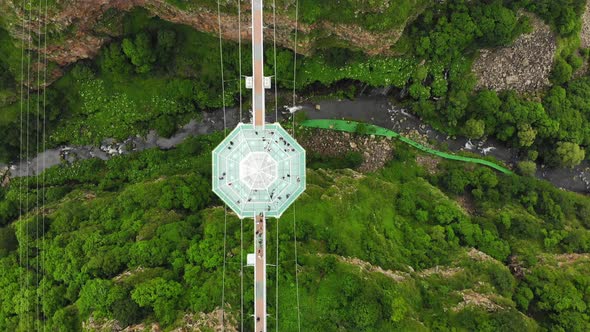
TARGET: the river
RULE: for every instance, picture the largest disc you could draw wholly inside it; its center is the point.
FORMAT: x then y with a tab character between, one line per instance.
377	110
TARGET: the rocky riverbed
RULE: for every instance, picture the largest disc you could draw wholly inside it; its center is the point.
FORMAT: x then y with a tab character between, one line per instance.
211	122
380	111
376	110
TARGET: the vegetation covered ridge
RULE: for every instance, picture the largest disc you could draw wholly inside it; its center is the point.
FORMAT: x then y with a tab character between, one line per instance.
139	239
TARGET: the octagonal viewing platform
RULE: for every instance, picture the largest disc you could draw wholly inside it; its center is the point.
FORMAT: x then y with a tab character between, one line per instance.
259	170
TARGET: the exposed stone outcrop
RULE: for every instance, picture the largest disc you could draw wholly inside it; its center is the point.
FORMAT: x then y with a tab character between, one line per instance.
209	322
585	33
376	151
190	322
79	22
364	266
563	260
472	298
524	66
479	256
443	271
4	176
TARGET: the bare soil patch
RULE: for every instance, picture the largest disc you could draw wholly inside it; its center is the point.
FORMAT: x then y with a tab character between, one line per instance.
398	276
473	298
445	272
208	322
430	163
562	260
466	202
191	322
376	151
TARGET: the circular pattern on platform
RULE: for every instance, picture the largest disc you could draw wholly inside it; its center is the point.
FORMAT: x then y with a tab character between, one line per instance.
258	170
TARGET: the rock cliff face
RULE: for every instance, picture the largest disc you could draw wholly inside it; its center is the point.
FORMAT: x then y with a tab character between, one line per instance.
82	34
585	33
79	28
523	66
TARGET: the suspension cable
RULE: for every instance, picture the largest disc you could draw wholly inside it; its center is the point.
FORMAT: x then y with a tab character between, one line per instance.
240	120
225	134
295	53
296	270
37	144
240	57
44	137
223	277
293	134
274	35
27	207
221	65
21	188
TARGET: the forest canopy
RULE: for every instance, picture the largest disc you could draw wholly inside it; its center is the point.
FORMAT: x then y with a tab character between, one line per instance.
421	244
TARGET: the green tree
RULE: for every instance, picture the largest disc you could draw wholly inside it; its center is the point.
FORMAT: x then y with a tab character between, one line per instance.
499	25
165	125
526	135
456	180
284	62
562	71
161	295
114	63
123	308
94	298
419	91
446	214
365	311
569	154
575	61
558	104
8	241
527	168
423	46
166	41
439	86
486	105
140	52
353	159
52	296
488	102
523	297
420	74
66	320
474	128
502	280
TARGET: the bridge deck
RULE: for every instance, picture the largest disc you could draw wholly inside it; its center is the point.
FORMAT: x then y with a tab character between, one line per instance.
258	109
260	273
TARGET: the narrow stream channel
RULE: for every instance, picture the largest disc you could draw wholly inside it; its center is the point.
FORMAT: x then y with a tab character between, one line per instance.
377	110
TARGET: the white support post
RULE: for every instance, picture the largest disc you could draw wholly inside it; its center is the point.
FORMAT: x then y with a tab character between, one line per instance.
267	82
